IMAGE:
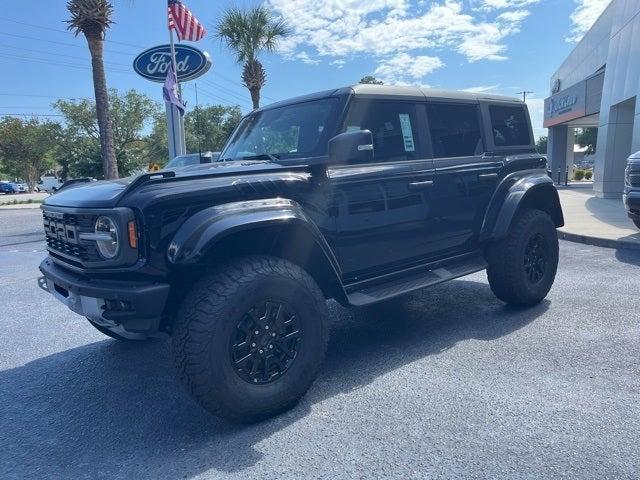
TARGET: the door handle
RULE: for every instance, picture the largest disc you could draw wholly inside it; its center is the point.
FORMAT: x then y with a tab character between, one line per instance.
488	176
421	185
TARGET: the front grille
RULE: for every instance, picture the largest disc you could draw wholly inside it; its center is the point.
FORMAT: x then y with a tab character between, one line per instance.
634	179
63	231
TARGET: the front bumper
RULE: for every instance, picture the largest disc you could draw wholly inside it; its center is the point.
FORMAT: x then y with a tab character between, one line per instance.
136	307
631	200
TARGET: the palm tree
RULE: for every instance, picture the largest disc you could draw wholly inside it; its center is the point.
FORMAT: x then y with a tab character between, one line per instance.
248	33
92	18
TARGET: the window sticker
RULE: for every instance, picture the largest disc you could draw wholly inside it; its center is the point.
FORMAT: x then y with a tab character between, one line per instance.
407	133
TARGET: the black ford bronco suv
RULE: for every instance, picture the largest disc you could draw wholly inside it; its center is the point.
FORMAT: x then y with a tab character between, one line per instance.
631	195
358	194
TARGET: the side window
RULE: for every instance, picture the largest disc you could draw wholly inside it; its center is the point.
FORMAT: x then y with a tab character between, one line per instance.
455	130
393	125
509	125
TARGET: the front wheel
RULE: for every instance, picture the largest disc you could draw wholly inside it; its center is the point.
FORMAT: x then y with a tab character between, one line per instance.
250	338
523	266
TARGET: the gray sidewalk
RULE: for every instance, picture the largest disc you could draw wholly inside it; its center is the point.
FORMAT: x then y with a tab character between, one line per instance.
596	221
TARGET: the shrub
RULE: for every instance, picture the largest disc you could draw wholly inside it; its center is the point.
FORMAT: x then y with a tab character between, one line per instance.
588	175
578	175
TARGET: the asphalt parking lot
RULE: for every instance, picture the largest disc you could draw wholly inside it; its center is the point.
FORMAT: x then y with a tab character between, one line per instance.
444	383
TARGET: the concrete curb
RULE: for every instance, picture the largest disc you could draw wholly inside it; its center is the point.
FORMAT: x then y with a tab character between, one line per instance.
599	242
25	206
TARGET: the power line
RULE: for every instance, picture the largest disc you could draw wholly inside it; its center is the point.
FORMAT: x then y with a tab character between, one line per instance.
43	96
18	22
225	90
26	108
58	64
213	96
62	55
66	44
227	79
30	115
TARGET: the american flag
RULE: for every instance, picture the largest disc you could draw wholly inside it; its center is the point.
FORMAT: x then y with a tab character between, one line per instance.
184	23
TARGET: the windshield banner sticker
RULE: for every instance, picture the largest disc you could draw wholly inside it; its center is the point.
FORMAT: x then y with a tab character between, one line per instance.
407	134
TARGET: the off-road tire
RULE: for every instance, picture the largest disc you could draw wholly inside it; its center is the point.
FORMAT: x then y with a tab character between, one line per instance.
109	333
208	319
636	222
506	260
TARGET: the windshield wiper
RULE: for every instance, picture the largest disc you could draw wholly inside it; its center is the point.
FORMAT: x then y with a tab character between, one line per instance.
263	156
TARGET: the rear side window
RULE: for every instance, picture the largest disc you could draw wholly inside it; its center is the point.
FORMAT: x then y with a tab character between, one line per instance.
393	126
510	126
455	130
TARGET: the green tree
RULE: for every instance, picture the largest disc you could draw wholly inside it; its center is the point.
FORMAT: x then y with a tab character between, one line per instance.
541	145
93	18
25	148
371	80
206	129
80	148
248	33
587	137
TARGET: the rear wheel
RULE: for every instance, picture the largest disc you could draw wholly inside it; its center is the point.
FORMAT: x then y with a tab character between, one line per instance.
250	338
522	267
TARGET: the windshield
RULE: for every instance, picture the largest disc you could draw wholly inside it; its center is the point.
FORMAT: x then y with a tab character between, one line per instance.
184	160
290	131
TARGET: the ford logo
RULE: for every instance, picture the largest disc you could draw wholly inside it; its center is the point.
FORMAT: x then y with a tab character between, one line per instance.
153	64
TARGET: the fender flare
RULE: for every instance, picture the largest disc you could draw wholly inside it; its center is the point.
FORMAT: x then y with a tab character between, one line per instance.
513	192
201	232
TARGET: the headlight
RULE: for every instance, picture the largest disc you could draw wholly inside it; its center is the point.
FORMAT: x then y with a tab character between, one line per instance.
107	237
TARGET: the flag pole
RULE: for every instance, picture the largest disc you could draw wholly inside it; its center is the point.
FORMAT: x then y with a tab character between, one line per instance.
176	122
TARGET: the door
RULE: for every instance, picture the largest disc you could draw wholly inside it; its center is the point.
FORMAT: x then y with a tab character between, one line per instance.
466	177
383	208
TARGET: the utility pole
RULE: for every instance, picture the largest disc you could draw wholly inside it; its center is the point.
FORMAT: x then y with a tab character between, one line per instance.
524	95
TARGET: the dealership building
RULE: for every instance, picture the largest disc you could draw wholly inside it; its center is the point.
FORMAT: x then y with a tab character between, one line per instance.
598	85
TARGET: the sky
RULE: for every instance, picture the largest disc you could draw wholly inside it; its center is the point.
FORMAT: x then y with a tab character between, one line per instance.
496	46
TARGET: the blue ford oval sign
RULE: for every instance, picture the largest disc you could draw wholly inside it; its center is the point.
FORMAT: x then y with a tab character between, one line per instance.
153	63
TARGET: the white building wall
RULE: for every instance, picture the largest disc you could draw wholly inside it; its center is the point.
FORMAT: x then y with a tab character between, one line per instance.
614	41
590	54
619	122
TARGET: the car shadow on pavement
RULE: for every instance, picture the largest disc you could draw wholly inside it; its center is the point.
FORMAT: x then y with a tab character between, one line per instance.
632	257
115	410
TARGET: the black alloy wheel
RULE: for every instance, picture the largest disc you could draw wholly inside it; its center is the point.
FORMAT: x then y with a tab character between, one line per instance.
265	343
535	258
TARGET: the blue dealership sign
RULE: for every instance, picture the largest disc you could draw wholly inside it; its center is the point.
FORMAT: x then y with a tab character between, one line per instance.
153	63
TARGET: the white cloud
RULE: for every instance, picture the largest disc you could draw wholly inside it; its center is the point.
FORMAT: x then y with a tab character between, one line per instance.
386	29
500	4
403	67
514	16
481	89
584	16
305	58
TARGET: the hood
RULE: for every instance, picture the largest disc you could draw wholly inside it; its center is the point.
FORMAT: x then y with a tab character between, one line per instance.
107	193
91	194
634	158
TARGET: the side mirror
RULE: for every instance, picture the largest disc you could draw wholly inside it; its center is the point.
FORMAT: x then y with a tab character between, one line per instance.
351	147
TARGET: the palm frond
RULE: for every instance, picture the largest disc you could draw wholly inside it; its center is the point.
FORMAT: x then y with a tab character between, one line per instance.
249	32
90	16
